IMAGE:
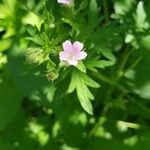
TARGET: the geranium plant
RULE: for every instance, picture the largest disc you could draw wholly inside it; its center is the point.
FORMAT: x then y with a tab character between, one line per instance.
74	74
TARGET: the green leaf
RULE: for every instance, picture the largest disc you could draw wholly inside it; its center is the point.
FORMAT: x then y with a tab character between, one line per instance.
70	22
85	103
145	42
32	30
49	18
93	64
36	39
140	17
108	54
40	39
80	81
93	21
83	5
72	84
121	7
86	31
81	67
5	44
108	37
88	81
83	91
93	10
45	40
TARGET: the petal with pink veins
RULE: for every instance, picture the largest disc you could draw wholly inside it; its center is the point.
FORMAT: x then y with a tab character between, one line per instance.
82	55
77	46
67	46
63	56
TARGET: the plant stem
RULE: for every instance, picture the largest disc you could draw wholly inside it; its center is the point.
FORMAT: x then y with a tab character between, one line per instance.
103	78
107	80
135	63
123	62
138	104
105	5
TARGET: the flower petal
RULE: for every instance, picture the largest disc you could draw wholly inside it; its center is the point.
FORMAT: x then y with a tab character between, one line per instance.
67	46
64	1
77	46
73	62
63	56
82	55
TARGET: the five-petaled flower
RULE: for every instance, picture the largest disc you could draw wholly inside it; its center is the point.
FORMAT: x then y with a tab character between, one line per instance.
72	53
65	1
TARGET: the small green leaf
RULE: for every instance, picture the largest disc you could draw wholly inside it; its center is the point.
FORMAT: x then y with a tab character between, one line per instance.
140	17
93	10
36	39
88	81
80	81
5	44
45	39
81	67
108	54
70	22
83	5
40	39
123	6
85	103
72	84
93	64
88	94
49	18
32	30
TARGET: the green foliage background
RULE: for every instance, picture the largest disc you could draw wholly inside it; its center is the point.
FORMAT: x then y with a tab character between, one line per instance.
103	103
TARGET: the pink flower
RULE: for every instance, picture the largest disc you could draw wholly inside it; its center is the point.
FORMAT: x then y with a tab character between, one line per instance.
64	1
72	53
